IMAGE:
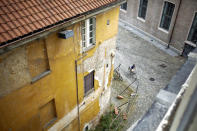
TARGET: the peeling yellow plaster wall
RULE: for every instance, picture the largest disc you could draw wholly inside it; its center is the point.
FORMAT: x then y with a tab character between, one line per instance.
89	112
72	127
104	31
20	108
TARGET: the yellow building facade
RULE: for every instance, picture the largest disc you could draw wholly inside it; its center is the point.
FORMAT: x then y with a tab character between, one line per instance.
42	82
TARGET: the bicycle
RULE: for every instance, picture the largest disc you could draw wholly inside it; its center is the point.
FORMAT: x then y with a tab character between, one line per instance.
117	74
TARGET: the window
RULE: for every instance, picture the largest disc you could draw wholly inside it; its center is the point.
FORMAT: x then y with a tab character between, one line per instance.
142	9
167	15
89	32
48	114
89	83
124	6
38	60
193	31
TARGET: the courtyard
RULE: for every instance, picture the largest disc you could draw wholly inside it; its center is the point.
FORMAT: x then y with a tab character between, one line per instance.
154	69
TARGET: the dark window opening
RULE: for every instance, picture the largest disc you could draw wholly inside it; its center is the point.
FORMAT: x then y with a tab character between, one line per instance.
124	6
193	31
143	8
89	83
167	15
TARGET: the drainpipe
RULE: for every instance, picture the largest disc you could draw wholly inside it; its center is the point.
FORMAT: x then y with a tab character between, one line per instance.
77	93
174	24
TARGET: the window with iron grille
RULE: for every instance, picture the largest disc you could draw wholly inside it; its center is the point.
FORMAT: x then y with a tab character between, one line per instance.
89	32
193	31
124	6
142	9
89	83
167	15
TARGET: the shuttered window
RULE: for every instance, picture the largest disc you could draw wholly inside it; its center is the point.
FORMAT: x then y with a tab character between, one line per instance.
193	31
88	32
89	83
167	15
142	9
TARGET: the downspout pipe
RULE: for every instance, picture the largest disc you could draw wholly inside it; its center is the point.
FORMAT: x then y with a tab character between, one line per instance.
77	93
174	24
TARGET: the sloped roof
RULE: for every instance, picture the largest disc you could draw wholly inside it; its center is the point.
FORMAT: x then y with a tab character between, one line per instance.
21	18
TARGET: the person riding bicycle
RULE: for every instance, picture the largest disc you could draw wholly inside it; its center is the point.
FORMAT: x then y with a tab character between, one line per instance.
132	68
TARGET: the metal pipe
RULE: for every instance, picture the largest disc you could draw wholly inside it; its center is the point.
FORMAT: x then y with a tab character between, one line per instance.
77	93
127	87
122	104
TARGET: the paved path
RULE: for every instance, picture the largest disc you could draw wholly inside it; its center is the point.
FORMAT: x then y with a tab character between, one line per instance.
151	120
151	63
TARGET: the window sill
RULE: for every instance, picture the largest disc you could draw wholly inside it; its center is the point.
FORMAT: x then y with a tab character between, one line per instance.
40	76
50	123
124	11
85	49
190	43
163	30
89	92
141	19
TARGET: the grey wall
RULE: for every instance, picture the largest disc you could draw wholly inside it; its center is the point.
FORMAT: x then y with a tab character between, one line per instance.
153	17
183	23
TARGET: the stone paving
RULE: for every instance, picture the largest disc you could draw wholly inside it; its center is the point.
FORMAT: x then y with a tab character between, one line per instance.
151	120
154	69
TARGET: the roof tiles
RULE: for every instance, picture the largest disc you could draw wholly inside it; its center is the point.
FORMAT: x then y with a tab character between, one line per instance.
18	18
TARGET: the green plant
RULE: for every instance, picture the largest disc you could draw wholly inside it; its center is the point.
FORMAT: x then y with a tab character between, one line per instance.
105	122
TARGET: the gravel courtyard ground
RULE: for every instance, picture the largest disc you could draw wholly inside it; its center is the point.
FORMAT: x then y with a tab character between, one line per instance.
154	69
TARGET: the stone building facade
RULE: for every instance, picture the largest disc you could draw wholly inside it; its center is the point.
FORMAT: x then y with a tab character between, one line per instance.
173	22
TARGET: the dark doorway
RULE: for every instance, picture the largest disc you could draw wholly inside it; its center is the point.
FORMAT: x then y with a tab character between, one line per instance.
187	49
